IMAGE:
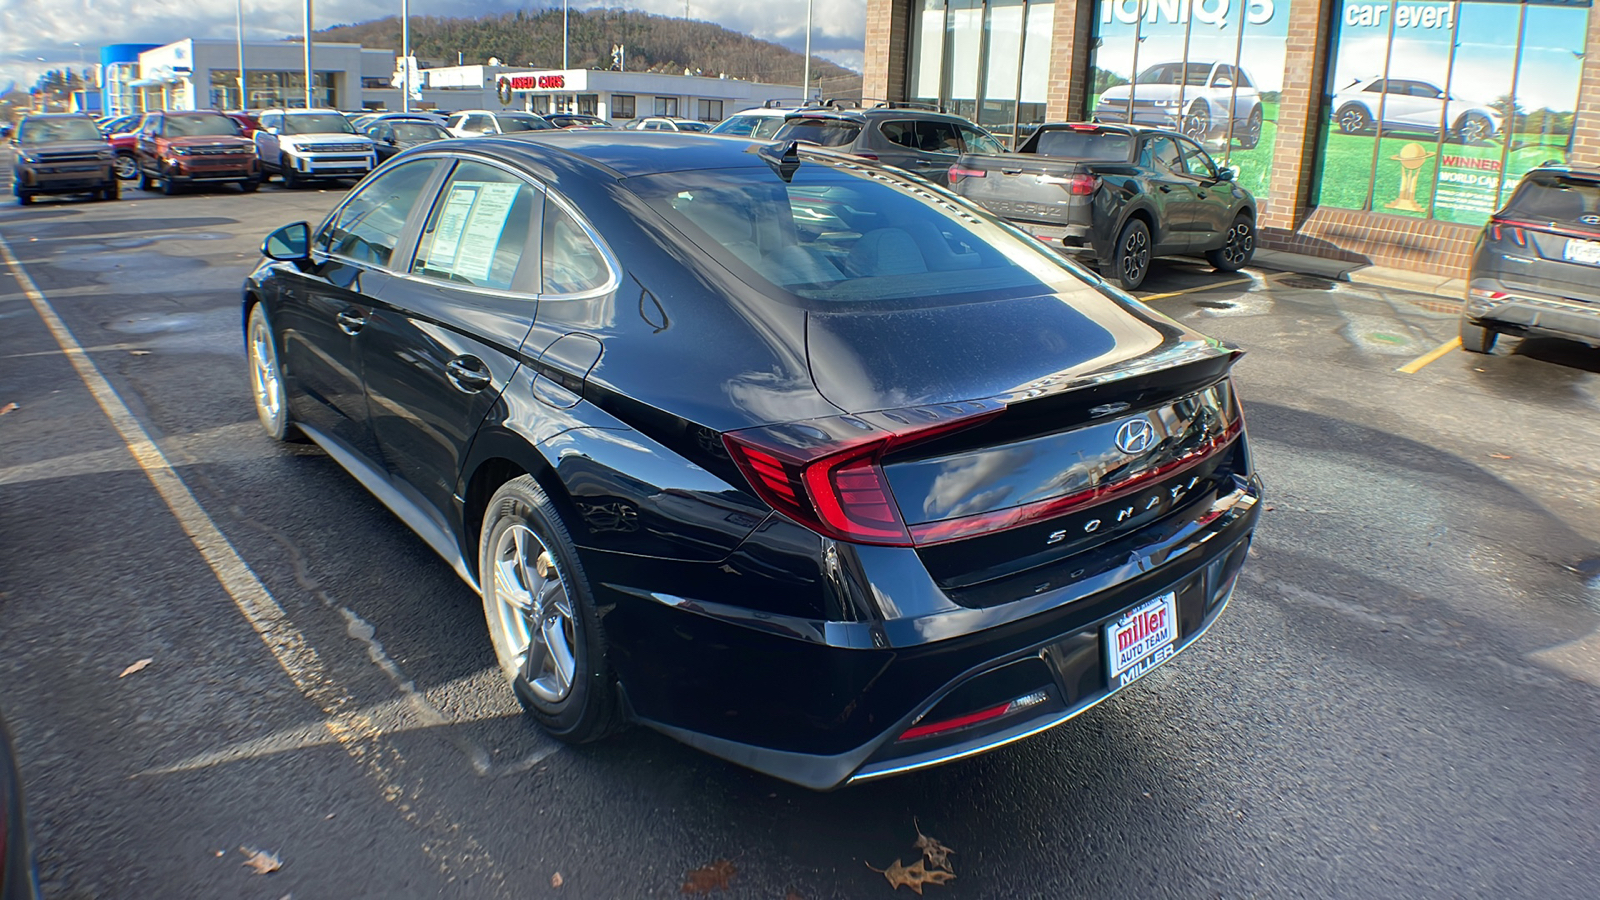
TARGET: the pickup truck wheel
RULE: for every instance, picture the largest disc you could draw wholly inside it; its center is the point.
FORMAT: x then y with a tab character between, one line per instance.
1251	136
1477	338
1197	124
146	183
127	167
1131	261
1354	119
1236	251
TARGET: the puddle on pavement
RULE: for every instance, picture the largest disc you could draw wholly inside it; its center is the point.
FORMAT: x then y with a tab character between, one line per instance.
1306	283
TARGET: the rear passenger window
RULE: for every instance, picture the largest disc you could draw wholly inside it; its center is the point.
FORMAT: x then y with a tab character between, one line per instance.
368	227
478	232
572	262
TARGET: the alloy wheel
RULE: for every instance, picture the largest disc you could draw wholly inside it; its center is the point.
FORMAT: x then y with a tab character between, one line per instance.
265	379
127	167
1197	124
1241	240
533	626
1135	256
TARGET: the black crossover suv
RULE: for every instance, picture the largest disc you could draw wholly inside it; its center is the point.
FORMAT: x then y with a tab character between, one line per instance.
795	458
1536	267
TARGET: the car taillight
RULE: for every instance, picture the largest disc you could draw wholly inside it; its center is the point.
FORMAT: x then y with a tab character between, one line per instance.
827	474
1501	230
867	155
958	172
929	729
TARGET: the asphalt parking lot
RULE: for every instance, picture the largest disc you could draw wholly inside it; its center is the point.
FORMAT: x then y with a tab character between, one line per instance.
231	644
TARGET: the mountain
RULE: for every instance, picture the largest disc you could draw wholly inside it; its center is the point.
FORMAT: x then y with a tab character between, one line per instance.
654	44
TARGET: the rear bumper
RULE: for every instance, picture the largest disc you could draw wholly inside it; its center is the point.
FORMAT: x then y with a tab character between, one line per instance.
825	703
1074	240
1533	313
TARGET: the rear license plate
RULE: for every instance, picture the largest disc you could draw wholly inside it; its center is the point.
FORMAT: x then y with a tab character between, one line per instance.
1141	639
1587	252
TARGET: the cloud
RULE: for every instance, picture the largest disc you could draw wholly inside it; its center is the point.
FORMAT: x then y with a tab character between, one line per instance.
50	28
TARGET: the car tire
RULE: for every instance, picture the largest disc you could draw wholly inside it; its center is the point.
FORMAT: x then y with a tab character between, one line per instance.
547	636
1473	128
127	166
146	183
1353	118
168	186
1251	137
1477	338
112	191
24	199
1130	258
291	179
1197	122
250	185
267	385
1237	249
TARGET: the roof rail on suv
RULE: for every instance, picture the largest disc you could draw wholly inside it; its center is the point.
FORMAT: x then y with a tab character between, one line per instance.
909	104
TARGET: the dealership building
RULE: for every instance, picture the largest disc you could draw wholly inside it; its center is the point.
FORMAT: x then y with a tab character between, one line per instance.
1370	132
610	95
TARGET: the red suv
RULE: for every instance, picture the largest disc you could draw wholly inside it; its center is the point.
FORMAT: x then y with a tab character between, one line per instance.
178	148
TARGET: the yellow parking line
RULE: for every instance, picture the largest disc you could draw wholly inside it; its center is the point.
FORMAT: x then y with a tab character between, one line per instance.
1432	356
1202	287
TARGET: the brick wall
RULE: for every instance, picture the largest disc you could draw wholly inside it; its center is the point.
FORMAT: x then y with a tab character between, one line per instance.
1586	133
1300	113
1071	39
888	33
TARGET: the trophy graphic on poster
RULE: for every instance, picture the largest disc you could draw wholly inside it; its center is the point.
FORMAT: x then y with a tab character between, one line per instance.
1411	157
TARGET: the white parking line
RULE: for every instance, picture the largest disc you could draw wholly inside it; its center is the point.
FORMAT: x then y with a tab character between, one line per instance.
355	731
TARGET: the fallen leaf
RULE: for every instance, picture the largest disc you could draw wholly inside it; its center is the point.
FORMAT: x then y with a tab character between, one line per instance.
710	878
136	667
937	854
1498	456
7	408
913	877
261	861
556	880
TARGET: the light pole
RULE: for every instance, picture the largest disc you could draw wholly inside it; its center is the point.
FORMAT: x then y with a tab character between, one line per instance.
238	30
805	89
564	4
308	18
405	54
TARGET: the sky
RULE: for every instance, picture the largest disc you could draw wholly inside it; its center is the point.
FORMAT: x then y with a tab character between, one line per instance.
65	31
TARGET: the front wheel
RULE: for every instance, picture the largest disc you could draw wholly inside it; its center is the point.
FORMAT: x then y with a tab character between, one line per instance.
1354	119
1131	259
127	167
250	186
546	634
1474	129
266	377
1477	338
146	183
168	186
1197	124
24	199
1252	130
1237	250
111	191
291	179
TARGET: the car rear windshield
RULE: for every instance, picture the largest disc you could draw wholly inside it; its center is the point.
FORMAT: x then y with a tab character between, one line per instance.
317	123
510	124
846	233
200	126
51	131
1555	198
823	132
1096	145
418	131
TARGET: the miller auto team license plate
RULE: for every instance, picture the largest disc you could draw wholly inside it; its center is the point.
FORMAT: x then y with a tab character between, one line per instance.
1143	638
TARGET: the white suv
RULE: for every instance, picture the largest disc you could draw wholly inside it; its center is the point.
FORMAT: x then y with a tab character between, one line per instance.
473	122
758	123
308	144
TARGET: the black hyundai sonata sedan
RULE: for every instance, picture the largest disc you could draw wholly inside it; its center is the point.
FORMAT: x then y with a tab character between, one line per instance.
798	459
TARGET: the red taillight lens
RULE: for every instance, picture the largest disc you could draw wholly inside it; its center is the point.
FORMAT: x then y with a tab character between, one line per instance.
959	172
827	474
1500	231
1082	185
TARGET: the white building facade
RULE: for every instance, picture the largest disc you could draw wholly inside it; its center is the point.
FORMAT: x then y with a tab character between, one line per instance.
618	96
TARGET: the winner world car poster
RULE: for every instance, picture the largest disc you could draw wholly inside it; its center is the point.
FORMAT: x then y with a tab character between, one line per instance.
1212	69
1467	97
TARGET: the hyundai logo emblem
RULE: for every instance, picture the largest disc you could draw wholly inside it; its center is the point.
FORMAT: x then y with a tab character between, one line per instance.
1135	436
1589	220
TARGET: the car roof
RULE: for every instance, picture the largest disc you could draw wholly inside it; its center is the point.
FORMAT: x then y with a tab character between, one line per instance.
616	152
877	112
1561	168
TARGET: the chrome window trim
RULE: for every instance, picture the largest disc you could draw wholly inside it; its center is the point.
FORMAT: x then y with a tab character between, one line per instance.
613	268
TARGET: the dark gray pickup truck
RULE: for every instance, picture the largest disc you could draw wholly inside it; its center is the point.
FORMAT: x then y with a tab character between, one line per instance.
1116	195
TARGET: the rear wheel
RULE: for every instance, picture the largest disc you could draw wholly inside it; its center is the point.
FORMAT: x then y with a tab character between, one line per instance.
1131	259
546	634
1477	338
1237	249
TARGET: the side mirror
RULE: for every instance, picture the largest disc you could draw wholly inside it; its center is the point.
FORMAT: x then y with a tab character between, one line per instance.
272	130
1226	173
291	243
390	140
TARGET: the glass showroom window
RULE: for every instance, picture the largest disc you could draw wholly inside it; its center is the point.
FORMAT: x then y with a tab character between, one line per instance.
1437	109
987	60
1212	69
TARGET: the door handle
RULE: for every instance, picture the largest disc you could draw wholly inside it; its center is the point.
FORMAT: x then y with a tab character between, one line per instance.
468	373
1165	189
350	321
